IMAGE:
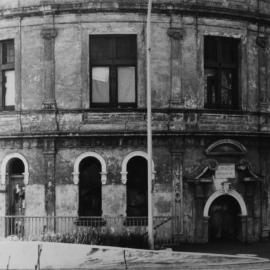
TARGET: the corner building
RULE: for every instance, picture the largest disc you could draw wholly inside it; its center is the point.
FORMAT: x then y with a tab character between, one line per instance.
73	116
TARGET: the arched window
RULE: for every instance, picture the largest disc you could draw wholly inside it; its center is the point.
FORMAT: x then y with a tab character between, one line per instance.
90	187
137	205
15	187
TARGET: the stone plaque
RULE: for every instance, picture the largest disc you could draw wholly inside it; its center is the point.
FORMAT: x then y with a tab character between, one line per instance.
225	171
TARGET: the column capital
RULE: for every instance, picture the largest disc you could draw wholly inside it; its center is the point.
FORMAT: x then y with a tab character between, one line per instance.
175	33
48	33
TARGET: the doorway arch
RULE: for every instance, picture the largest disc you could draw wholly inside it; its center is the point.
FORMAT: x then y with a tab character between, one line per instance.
90	190
225	216
232	193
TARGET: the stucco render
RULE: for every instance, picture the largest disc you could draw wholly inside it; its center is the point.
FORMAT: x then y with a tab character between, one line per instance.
53	122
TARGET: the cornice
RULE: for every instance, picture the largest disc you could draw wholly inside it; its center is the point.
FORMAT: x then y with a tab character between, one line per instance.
207	9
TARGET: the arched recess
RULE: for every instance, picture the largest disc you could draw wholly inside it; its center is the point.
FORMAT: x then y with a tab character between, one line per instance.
126	160
76	171
5	161
232	193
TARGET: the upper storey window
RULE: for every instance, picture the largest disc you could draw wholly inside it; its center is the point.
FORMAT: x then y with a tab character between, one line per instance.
221	72
7	74
113	60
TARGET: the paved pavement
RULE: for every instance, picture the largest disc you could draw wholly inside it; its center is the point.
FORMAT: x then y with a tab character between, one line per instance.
23	255
261	249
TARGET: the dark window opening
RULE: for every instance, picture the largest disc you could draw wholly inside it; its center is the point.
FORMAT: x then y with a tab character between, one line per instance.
15	191
224	222
7	75
113	67
90	188
16	166
137	205
221	68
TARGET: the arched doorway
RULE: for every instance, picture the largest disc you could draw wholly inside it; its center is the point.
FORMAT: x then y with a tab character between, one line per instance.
137	205
15	187
90	200
15	202
224	219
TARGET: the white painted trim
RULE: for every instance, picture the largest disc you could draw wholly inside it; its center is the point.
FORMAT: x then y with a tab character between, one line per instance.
78	160
5	161
219	193
126	160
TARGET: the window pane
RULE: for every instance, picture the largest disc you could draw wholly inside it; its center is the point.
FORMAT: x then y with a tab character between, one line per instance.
210	50
9	78
210	86
100	85
126	47
8	52
126	84
229	51
101	47
226	88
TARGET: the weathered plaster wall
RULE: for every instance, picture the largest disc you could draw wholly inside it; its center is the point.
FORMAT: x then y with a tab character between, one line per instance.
66	200
31	67
114	200
35	200
68	88
73	124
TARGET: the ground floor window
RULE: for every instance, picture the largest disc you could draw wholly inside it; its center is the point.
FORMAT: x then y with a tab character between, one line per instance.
15	187
137	187
90	188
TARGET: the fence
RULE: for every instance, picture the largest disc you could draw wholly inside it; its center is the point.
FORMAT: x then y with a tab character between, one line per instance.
96	229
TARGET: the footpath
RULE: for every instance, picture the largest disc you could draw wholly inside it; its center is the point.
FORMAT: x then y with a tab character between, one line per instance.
24	255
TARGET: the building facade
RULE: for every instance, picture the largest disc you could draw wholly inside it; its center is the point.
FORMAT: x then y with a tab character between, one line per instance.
73	113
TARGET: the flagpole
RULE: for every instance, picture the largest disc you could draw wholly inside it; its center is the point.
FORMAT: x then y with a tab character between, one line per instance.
149	127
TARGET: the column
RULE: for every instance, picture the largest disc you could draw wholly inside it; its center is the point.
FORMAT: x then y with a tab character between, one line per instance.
176	35
244	236
48	34
262	71
205	229
177	181
264	194
199	219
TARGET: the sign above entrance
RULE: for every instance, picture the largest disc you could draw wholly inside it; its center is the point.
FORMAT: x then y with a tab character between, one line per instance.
225	171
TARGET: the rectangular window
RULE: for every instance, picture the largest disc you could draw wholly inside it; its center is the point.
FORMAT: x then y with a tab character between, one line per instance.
7	75
221	72
113	66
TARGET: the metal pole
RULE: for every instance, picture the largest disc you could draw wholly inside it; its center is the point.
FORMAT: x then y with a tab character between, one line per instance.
149	126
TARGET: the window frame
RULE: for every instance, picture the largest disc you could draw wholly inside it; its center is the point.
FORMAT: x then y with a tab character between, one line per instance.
3	68
113	65
219	66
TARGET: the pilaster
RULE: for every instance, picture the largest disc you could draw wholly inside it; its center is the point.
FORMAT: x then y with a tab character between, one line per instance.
262	43
177	175
176	36
49	33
